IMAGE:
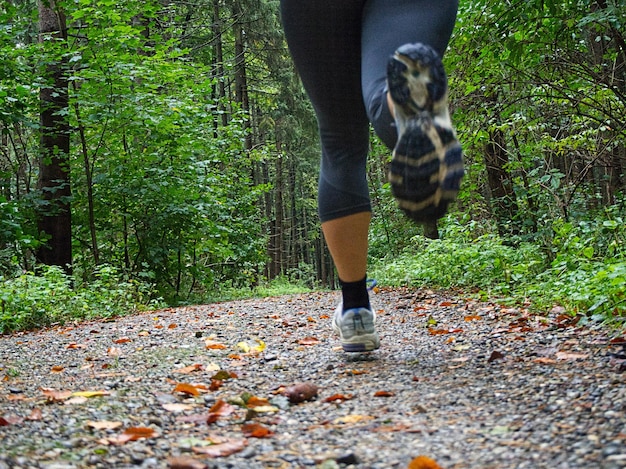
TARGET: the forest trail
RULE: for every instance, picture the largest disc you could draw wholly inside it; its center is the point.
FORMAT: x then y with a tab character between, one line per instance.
468	384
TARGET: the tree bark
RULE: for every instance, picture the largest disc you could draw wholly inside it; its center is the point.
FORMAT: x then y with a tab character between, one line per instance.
55	221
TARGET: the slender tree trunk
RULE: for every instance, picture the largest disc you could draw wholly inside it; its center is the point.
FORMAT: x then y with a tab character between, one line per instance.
54	171
499	179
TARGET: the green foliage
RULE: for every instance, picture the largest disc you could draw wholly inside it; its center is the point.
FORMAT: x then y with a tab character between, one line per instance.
52	297
585	269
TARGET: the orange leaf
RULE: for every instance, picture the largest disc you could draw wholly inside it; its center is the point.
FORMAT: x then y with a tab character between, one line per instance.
257	402
220	409
472	317
122	340
445	303
256	430
311	319
223	449
74	345
438	331
215	384
309	341
56	396
134	434
339	397
189	369
423	462
383	394
172	326
57	369
187	389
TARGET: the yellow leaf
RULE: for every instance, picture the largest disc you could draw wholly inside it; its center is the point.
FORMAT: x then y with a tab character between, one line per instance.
260	347
90	393
244	347
352	418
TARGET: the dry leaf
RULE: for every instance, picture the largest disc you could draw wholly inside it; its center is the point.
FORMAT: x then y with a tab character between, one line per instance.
212	345
352	418
423	462
74	345
495	355
256	402
309	341
177	407
121	340
256	430
4	422
571	356
189	369
103	424
472	317
134	434
384	394
186	388
185	462
89	394
35	414
339	397
114	351
301	392
57	369
223	449
56	396
545	360
172	326
220	409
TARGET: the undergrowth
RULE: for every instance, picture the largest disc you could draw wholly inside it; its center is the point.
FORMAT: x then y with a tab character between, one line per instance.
53	297
581	266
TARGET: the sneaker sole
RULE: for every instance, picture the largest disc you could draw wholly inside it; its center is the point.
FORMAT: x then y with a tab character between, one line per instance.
427	165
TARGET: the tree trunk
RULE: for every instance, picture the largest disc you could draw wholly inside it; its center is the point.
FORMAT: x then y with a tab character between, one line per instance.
55	221
504	202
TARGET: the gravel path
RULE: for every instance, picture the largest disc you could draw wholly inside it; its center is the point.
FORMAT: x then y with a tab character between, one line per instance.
471	385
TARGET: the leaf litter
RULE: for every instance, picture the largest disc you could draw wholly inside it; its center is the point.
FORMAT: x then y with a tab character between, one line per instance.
436	373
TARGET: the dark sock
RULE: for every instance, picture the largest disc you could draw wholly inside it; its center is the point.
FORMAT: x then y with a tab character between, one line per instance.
354	294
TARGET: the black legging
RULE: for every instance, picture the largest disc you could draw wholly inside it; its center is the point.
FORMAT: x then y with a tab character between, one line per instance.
340	49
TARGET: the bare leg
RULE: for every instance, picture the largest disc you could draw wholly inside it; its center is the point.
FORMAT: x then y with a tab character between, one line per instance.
347	241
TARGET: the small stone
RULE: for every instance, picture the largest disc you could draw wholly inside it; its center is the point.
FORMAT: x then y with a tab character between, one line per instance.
348	459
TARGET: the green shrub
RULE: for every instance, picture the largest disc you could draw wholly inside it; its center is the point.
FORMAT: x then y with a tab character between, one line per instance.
52	297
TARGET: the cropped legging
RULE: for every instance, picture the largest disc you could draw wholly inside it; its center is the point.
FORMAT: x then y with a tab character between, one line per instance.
340	49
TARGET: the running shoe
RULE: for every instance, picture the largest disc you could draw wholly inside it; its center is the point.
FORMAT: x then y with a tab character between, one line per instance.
427	165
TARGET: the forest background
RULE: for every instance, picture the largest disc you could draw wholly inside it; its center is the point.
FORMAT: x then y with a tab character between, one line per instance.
163	152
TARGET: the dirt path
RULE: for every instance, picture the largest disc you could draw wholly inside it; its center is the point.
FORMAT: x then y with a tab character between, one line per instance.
471	385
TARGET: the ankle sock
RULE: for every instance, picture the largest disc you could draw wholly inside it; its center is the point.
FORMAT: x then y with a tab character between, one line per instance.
354	294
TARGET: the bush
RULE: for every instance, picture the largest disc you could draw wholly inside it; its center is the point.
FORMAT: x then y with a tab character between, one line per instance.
51	297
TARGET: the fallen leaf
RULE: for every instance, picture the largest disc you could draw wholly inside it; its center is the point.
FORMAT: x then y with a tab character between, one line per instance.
175	407
172	326
384	394
308	341
445	303
254	401
114	351
185	462
571	356
74	345
223	449
222	375
256	430
103	424
244	347
212	345
89	394
220	409
301	392
57	369
35	414
545	360
134	434
339	397
472	317
56	396
189	369
495	355
186	388
121	340
352	418
423	462
4	422
215	384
